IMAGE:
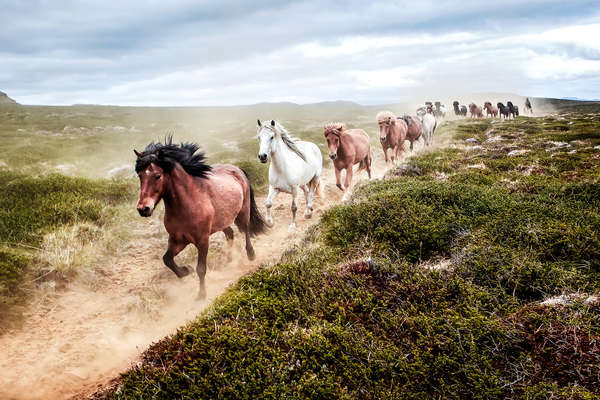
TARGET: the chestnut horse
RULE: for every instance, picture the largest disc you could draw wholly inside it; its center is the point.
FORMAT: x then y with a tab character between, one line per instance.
476	111
392	134
490	109
199	200
346	148
415	129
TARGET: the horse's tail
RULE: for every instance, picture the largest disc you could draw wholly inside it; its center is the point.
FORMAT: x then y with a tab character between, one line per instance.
257	223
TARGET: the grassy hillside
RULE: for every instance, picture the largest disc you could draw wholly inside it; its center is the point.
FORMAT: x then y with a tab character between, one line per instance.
428	284
35	206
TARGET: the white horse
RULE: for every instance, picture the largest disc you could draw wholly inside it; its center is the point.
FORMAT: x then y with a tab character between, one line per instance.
429	124
294	164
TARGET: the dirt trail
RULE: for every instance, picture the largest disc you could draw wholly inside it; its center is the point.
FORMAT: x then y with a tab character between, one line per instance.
76	340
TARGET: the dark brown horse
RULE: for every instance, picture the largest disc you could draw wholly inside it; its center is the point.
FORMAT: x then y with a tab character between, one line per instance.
512	109
528	108
199	201
490	109
415	129
459	110
392	134
347	148
503	110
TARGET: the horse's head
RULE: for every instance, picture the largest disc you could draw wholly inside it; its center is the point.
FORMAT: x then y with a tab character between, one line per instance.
333	133
487	104
386	120
266	137
455	104
152	187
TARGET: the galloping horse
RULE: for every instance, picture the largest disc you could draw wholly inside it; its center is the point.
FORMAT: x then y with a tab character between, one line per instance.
429	123
392	134
462	111
415	129
490	109
513	110
346	148
476	111
199	200
503	110
294	164
528	108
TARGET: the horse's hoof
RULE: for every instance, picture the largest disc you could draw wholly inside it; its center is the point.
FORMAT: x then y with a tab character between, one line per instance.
251	254
184	271
308	216
201	295
269	223
292	228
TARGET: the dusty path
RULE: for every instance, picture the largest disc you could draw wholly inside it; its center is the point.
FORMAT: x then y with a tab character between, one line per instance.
78	339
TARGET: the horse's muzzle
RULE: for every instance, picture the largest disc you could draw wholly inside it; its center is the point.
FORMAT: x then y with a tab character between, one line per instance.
262	158
145	211
333	156
382	138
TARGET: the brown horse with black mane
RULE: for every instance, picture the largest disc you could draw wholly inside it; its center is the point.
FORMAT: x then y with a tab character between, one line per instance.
199	200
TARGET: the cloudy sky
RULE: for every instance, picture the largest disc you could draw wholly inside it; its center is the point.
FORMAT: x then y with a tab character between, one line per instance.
225	52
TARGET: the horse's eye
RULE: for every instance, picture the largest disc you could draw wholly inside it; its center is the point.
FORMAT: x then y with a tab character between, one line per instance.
157	176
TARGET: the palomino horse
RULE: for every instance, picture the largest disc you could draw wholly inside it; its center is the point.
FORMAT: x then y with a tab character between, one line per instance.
294	164
513	110
346	148
476	111
490	109
415	129
392	134
503	110
199	201
528	108
429	123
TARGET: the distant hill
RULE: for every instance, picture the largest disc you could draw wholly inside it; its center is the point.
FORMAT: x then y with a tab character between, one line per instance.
4	99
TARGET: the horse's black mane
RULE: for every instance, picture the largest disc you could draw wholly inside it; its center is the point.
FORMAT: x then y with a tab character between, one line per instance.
167	154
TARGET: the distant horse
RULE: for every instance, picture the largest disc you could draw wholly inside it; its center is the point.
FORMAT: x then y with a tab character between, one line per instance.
346	148
528	108
503	110
476	111
490	109
513	110
429	123
392	134
459	110
415	129
199	201
440	110
294	164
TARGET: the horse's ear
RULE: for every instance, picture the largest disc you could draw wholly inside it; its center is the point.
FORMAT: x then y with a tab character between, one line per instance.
272	122
137	153
258	122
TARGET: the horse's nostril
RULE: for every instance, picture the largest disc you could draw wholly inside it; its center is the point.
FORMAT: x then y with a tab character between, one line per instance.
333	156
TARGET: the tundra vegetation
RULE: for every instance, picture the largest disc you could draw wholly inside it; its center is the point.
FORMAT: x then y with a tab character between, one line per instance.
471	271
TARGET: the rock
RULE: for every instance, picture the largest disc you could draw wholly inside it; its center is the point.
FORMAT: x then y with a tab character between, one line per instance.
472	140
517	152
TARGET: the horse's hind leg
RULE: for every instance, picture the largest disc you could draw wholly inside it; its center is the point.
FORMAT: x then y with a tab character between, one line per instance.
292	227
310	195
202	246
243	223
175	248
229	235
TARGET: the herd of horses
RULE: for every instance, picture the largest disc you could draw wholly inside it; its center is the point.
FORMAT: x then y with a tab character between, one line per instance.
202	199
499	110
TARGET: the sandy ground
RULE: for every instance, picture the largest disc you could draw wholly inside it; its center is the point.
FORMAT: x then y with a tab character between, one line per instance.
77	340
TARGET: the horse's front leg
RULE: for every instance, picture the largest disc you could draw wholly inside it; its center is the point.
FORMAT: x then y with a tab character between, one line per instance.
347	182
269	203
338	178
292	227
202	246
385	153
175	247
